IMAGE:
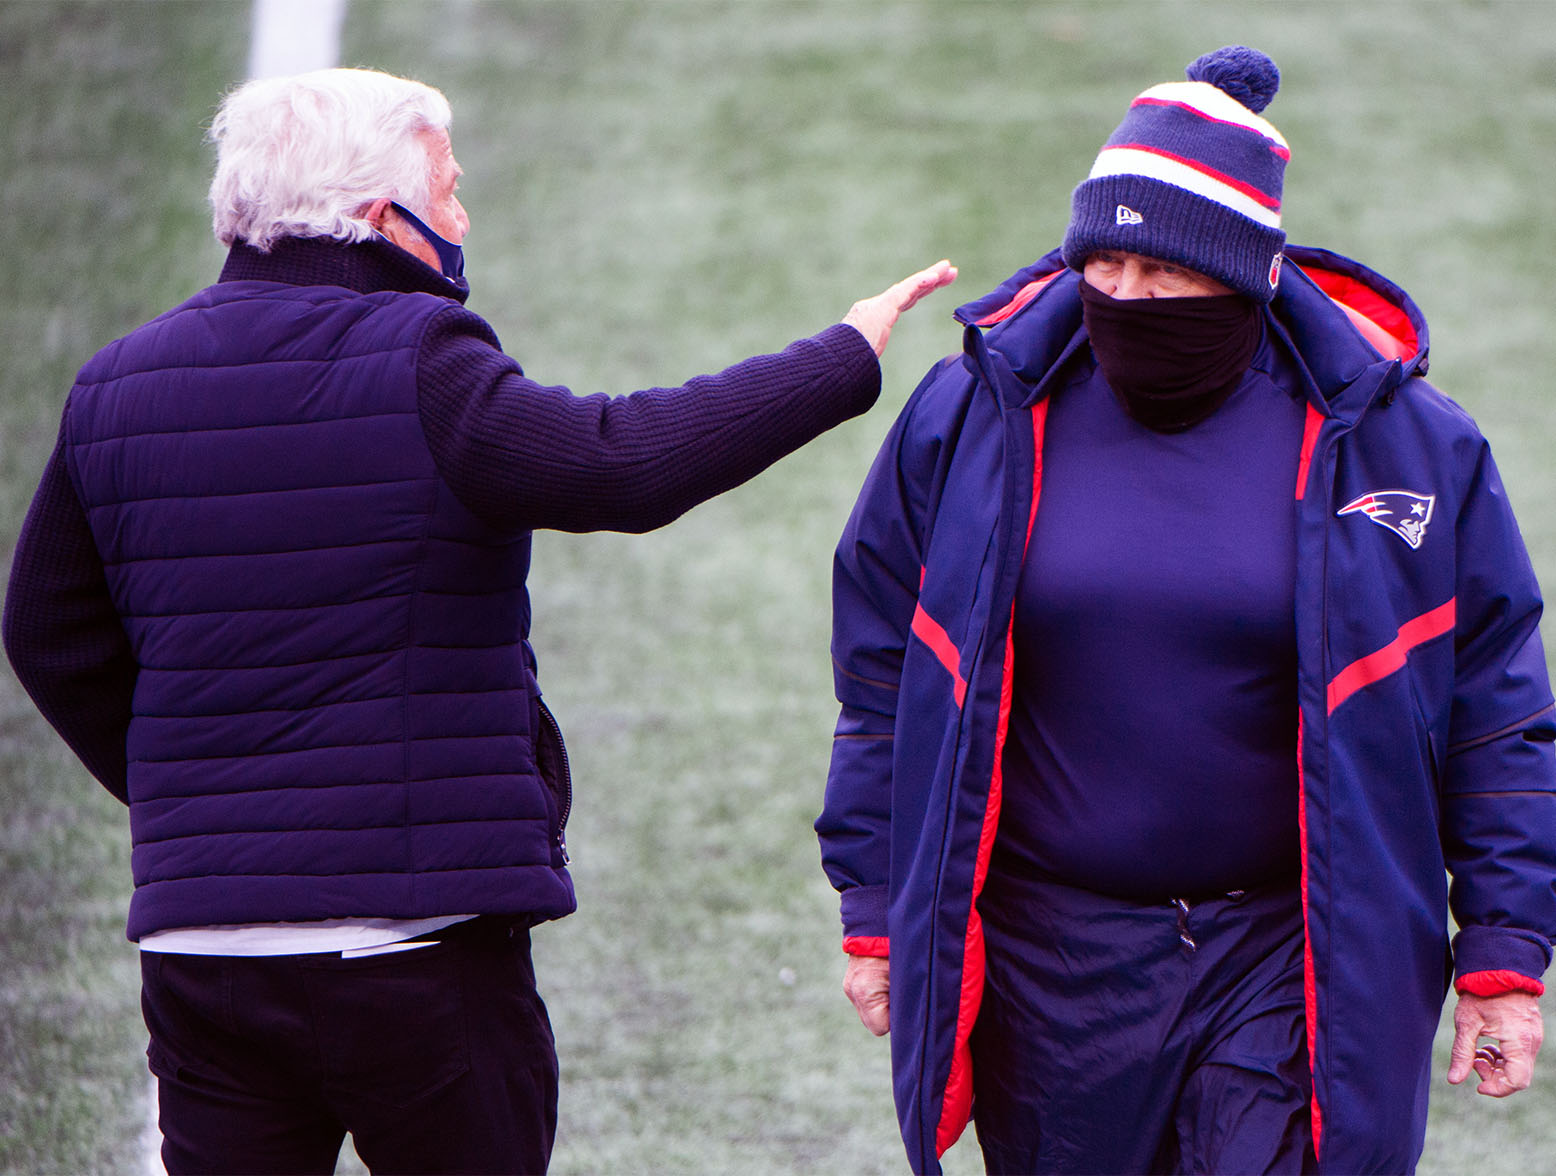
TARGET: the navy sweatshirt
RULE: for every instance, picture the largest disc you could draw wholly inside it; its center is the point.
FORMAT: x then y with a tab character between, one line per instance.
1161	568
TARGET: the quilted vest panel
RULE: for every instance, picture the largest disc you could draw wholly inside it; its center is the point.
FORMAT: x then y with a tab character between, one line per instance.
336	709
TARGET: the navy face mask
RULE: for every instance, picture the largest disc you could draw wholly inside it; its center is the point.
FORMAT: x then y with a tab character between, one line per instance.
451	257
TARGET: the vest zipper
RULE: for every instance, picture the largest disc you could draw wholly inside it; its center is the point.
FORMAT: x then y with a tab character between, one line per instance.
564	783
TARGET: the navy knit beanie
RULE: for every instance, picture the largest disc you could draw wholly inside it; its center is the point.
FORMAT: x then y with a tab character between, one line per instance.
1193	176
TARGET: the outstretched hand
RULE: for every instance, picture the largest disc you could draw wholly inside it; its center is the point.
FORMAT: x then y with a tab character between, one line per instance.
875	317
1513	1022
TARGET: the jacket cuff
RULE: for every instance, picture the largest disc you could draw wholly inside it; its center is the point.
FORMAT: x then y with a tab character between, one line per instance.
1497	983
1479	949
864	913
872	945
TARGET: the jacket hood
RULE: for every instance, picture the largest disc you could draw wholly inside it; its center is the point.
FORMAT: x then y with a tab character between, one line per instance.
1358	333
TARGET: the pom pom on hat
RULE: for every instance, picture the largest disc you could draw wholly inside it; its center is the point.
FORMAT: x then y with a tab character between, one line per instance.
1193	176
1240	72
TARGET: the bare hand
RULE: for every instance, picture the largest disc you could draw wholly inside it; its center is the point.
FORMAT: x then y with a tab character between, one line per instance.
868	984
1512	1020
875	317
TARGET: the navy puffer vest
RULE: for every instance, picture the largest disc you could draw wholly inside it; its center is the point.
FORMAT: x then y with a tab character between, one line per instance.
336	712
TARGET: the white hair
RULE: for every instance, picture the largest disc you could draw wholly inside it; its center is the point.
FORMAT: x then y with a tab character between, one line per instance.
302	156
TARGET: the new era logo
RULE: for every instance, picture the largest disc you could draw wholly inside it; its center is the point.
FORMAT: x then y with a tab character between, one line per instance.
1128	216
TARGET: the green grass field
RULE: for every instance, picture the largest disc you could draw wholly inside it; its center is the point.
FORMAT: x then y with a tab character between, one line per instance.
657	189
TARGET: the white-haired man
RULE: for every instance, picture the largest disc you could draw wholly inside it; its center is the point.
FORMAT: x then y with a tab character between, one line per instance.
272	592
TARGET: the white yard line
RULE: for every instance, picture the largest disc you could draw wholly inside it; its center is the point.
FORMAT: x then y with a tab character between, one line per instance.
294	36
288	37
151	1138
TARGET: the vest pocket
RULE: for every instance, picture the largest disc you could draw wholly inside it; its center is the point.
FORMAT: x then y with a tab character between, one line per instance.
551	761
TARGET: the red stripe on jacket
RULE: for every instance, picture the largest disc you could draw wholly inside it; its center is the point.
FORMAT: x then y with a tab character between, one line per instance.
1364	671
1309	973
1310	427
931	633
956	1107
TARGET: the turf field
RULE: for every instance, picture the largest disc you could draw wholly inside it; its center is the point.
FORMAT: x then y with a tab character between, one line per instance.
657	189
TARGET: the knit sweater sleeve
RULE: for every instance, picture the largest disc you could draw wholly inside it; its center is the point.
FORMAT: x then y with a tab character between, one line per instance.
525	456
62	634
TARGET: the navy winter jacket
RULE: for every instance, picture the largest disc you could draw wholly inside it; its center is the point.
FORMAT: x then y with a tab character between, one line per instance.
1425	721
272	588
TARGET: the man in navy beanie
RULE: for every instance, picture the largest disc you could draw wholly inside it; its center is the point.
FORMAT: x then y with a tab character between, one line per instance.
1187	648
272	592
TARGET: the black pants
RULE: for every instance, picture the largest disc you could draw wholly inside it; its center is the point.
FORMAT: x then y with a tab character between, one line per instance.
438	1059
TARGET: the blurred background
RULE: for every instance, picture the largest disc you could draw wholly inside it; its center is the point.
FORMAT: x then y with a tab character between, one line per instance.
659	189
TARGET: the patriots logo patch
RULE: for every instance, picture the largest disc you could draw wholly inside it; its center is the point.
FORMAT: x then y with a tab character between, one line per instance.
1404	512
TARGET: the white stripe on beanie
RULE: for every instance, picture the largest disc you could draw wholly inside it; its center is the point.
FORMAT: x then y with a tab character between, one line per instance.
1133	161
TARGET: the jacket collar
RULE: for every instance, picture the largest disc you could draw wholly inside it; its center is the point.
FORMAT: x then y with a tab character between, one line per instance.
1020	335
364	266
1359	335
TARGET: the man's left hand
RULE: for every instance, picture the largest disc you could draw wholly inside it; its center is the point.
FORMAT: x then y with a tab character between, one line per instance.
1512	1020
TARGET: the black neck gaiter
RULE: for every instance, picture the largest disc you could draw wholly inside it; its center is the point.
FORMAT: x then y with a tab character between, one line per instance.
1171	361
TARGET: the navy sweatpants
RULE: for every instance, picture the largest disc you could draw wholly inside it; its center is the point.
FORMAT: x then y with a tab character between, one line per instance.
438	1059
1117	1037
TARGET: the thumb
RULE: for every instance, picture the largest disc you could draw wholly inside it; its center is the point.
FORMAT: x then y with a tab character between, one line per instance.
1461	1059
875	1011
